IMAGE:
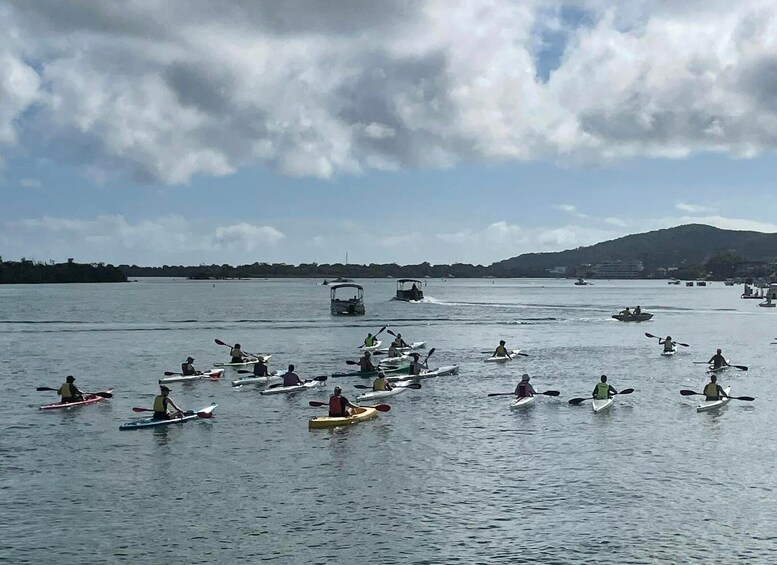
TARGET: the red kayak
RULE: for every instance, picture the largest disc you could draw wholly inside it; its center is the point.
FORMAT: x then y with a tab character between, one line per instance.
88	399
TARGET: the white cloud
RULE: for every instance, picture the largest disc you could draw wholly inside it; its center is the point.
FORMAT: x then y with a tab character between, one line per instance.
615	222
693	208
569	208
168	90
247	237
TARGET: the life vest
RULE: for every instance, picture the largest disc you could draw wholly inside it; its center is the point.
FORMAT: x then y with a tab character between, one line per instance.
159	404
501	351
378	384
335	406
523	390
235	352
415	368
602	391
668	345
369	341
365	364
711	390
65	391
260	370
187	369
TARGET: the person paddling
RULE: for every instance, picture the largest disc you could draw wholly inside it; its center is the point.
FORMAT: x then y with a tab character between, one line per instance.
370	341
290	378
667	343
393	351
380	383
260	368
161	403
501	350
602	390
524	387
237	354
713	391
339	405
365	363
717	361
69	392
416	366
399	342
188	369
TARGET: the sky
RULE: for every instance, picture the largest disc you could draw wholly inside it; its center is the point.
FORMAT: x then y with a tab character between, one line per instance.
158	132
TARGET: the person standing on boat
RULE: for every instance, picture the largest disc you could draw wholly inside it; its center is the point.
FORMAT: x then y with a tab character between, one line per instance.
188	369
365	363
667	343
380	383
602	390
399	342
370	341
339	405
713	391
161	402
260	368
290	378
416	366
717	361
237	354
69	392
524	387
501	350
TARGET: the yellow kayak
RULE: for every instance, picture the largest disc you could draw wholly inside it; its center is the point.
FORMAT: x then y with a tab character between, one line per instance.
361	414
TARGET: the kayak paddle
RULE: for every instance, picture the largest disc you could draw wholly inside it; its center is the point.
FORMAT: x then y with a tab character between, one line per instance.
101	394
546	393
379	407
686	392
414	386
658	337
170	374
577	401
375	335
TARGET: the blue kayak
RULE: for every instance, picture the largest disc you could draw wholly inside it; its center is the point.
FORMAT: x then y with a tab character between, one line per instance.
151	423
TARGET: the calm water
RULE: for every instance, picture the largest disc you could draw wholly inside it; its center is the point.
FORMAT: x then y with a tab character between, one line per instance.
448	476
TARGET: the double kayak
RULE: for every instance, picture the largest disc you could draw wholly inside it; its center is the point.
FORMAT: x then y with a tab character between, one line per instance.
288	389
88	399
371	374
503	358
438	372
361	414
213	374
522	402
151	423
713	404
275	378
248	361
601	404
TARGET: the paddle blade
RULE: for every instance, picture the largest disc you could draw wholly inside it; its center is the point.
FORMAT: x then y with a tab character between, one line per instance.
219	342
349	362
395	335
381	330
276	385
626	391
139	409
362	386
320	379
683	344
170	373
651	336
551	393
576	401
501	393
382	407
316	404
521	354
746	398
686	392
244	372
740	367
41	388
103	394
414	386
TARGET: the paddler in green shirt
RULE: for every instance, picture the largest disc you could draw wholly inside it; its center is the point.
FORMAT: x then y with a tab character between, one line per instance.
602	390
370	340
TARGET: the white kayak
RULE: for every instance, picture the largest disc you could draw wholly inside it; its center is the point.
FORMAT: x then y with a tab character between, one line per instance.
380	394
438	372
497	359
395	361
248	361
721	368
272	379
371	347
713	404
214	374
287	389
601	404
669	353
522	402
413	346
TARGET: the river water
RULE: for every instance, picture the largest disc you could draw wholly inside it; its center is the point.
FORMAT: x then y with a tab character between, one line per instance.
449	475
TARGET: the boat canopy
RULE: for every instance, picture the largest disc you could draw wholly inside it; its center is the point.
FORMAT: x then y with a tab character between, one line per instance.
403	282
347	285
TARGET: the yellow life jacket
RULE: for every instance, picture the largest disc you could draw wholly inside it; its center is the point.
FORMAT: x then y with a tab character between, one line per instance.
159	404
65	391
711	390
378	384
501	351
602	391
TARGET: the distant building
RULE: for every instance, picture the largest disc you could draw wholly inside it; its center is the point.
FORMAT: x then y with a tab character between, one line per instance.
618	269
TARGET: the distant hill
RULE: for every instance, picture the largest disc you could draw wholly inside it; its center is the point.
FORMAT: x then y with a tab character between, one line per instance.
692	243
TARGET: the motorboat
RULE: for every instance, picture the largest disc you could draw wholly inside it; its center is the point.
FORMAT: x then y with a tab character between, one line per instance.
409	289
346	306
581	282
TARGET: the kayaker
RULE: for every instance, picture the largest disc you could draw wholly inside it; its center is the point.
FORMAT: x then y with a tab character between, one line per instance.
370	340
501	350
399	342
667	343
290	378
626	313
637	310
188	369
69	392
380	383
603	390
718	360
524	387
713	391
237	354
260	368
365	363
339	405
393	351
161	402
416	366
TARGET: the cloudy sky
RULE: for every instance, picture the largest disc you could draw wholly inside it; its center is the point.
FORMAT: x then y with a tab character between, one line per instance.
189	131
